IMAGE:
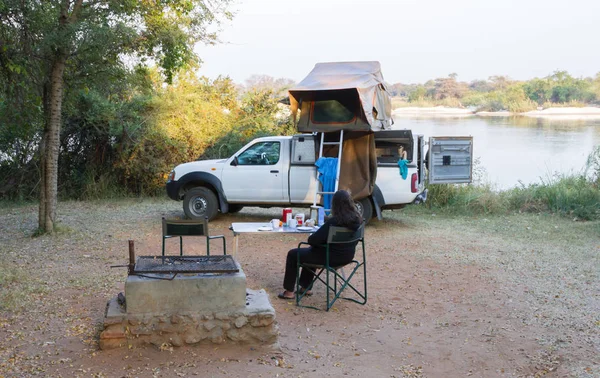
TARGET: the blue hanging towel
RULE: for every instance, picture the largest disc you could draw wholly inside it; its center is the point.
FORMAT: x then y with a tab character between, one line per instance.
327	167
403	164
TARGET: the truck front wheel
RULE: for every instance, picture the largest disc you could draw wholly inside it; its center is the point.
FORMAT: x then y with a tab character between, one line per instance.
365	207
199	203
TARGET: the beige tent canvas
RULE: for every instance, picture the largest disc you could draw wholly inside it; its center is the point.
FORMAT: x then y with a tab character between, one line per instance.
349	96
342	96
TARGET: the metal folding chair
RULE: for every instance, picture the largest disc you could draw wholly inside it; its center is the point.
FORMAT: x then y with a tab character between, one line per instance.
183	227
337	235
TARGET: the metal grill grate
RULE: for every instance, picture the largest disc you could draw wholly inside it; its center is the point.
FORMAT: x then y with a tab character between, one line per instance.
186	264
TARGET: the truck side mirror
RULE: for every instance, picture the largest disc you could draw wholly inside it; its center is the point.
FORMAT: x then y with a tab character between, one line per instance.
234	162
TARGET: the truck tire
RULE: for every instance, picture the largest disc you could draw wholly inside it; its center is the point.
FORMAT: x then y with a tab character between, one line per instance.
365	207
235	208
199	203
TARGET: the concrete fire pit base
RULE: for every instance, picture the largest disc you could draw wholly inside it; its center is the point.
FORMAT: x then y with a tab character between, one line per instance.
254	324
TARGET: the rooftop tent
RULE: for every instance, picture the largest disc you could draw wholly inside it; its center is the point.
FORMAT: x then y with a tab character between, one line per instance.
349	96
342	96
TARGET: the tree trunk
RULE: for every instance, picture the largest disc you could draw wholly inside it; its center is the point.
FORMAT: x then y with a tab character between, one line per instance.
53	108
42	209
50	146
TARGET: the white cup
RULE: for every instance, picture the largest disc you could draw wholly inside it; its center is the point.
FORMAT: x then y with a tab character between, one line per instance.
275	223
292	223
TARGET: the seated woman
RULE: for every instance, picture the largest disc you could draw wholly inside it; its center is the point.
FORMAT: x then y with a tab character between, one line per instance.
344	214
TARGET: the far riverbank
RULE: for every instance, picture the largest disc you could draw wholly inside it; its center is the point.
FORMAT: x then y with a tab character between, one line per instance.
567	113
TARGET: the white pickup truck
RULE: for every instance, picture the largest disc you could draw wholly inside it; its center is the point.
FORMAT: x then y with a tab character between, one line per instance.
384	168
279	171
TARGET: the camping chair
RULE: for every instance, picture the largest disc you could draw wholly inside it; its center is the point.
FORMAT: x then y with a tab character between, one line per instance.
177	227
337	235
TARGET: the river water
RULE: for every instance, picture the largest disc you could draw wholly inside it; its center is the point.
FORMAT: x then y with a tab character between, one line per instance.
514	150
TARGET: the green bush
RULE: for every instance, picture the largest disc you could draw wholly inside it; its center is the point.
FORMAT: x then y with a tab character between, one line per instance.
197	119
512	99
570	196
476	99
466	199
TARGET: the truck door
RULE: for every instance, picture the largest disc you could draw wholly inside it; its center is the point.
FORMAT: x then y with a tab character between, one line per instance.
303	182
421	160
257	174
450	160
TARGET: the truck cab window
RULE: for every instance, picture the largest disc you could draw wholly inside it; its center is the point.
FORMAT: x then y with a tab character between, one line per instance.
262	153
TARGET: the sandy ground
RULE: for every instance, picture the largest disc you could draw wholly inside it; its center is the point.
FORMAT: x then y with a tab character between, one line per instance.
566	113
512	296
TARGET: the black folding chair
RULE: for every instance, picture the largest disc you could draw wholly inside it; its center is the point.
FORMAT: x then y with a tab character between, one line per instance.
184	227
337	235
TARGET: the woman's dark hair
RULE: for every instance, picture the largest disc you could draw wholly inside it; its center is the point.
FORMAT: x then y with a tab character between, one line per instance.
344	210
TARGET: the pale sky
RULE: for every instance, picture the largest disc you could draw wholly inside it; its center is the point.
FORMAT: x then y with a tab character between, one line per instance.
414	40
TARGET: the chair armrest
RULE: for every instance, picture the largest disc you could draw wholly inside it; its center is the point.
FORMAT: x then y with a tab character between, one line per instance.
302	243
219	237
216	237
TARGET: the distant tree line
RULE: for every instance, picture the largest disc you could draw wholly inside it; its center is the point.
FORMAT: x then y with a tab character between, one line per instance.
501	93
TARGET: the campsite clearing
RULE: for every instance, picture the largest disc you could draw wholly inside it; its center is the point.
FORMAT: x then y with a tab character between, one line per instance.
448	296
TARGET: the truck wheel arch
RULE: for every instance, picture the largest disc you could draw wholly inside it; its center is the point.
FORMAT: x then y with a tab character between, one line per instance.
207	180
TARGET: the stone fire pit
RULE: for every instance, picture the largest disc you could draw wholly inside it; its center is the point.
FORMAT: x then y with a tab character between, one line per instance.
191	308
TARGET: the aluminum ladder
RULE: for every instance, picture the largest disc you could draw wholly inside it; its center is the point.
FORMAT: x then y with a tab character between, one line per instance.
337	173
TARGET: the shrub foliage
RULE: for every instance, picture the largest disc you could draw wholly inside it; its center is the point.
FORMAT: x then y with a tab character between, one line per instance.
120	140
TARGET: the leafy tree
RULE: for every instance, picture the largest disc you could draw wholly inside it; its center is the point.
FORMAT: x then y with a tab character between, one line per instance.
596	86
54	48
499	82
538	90
566	88
448	87
279	87
480	86
417	94
183	120
260	114
402	90
515	99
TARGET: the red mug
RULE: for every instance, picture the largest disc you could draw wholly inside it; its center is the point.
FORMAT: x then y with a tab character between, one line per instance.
286	211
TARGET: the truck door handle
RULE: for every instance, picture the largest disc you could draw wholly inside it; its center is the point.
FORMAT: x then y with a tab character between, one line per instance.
274	171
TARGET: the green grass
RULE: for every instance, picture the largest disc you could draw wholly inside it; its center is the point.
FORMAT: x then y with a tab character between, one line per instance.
569	196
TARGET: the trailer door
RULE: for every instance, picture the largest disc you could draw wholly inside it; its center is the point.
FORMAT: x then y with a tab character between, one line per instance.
450	160
421	159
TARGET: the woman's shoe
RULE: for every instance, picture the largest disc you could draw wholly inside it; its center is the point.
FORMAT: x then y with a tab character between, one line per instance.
282	296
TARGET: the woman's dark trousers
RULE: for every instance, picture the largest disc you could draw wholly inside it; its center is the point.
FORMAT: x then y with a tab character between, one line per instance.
307	256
